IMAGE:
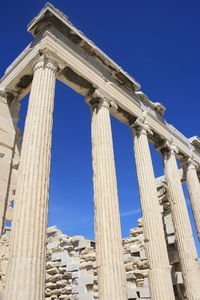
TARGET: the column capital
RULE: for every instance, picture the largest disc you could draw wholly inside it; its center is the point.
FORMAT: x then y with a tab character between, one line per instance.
45	61
141	127
166	147
188	163
98	99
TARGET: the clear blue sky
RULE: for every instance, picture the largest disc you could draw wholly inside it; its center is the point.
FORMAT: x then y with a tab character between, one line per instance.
157	42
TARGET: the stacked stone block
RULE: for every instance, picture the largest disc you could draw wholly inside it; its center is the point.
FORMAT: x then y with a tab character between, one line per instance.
136	264
176	273
10	137
71	267
71	272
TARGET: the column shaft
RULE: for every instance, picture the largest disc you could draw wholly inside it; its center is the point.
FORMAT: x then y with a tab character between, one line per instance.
109	256
193	186
156	250
26	268
183	231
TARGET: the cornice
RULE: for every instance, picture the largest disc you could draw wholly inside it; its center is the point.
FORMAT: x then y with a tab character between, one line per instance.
195	141
50	15
156	106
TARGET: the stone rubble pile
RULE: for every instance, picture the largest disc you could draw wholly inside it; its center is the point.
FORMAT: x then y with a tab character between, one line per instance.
71	267
71	272
136	264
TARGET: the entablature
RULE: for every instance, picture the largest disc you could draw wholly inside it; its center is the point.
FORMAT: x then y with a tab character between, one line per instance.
82	72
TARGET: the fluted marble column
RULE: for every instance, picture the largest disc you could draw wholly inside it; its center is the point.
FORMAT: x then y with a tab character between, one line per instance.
26	269
156	250
109	256
183	231
193	186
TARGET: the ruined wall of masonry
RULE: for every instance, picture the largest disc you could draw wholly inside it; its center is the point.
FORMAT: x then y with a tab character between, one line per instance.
71	266
71	272
10	137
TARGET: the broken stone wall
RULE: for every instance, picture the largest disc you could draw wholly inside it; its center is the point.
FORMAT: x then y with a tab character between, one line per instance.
10	138
71	266
71	272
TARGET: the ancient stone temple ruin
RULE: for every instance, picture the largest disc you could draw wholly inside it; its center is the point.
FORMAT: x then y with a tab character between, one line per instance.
159	260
